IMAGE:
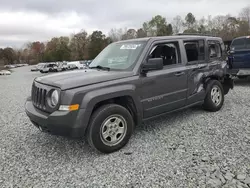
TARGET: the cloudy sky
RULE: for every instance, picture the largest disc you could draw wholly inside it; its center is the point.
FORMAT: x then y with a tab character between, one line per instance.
31	20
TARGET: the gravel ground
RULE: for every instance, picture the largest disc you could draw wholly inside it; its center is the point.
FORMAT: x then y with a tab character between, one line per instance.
191	148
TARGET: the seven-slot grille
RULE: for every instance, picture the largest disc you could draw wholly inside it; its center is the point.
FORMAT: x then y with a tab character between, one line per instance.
39	97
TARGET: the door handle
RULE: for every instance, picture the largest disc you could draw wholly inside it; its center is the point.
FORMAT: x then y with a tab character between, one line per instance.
179	73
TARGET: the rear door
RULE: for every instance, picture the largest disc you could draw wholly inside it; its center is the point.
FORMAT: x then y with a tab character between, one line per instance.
196	66
240	53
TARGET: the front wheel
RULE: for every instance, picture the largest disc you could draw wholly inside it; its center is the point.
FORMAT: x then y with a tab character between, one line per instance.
214	99
110	128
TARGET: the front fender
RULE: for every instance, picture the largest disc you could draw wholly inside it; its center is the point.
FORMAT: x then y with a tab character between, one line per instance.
93	97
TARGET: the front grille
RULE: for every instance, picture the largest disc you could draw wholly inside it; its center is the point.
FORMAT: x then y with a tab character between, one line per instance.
39	97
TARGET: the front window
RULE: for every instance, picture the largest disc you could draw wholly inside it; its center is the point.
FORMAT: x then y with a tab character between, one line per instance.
119	56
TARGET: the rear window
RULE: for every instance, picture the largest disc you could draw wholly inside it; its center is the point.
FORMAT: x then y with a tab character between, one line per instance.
240	44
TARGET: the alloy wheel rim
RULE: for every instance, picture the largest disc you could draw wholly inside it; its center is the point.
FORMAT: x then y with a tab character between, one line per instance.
113	130
216	95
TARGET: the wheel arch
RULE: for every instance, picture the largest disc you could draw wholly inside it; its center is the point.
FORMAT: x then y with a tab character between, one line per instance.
122	95
226	81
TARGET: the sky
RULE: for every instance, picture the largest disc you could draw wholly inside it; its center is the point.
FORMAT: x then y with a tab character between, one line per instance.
22	21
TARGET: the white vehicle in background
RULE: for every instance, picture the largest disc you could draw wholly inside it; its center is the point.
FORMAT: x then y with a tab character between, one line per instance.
83	64
9	66
38	67
76	63
5	72
48	67
62	66
72	67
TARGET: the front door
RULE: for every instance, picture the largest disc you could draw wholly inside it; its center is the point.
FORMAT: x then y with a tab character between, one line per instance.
164	90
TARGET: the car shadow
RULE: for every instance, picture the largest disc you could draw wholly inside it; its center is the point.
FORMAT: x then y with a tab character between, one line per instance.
168	119
61	146
66	147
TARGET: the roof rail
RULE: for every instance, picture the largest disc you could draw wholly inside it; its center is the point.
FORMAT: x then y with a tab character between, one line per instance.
197	34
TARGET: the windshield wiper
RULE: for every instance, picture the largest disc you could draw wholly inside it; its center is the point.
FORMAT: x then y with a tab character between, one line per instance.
100	67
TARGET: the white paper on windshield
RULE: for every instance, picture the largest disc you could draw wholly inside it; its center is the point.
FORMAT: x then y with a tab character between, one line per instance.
117	59
130	46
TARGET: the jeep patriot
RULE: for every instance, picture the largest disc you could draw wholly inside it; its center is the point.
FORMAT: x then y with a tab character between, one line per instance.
129	82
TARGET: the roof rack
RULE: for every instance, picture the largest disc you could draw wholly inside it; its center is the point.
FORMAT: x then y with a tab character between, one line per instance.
197	34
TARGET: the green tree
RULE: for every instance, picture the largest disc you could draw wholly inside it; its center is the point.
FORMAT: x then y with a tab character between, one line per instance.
243	29
9	55
158	26
130	34
97	42
63	51
245	15
78	44
141	33
190	21
177	24
1	53
37	51
116	34
57	49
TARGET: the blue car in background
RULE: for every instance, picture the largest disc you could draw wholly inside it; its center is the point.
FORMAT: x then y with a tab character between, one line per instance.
239	57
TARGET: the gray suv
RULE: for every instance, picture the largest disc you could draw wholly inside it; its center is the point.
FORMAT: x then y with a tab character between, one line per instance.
127	83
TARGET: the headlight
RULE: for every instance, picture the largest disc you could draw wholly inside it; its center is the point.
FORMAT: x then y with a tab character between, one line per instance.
54	98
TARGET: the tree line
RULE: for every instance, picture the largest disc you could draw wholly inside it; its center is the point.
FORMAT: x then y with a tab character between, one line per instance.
81	46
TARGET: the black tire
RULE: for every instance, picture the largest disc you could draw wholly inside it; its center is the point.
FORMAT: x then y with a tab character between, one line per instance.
94	132
209	105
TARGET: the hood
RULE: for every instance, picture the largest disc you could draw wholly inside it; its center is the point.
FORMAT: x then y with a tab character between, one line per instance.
78	78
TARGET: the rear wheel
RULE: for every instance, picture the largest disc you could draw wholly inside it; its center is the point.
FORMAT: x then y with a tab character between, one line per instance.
110	128
214	99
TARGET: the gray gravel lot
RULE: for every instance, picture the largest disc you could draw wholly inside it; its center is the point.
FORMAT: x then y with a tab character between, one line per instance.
191	148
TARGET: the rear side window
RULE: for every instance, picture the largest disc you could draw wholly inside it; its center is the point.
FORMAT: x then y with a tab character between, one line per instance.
214	49
195	50
238	44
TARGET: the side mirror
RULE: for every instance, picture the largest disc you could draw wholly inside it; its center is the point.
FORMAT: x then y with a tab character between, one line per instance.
153	64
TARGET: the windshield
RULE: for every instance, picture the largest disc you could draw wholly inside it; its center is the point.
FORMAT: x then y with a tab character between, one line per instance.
119	56
240	44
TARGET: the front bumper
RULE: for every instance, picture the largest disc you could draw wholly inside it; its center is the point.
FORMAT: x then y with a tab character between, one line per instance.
58	123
